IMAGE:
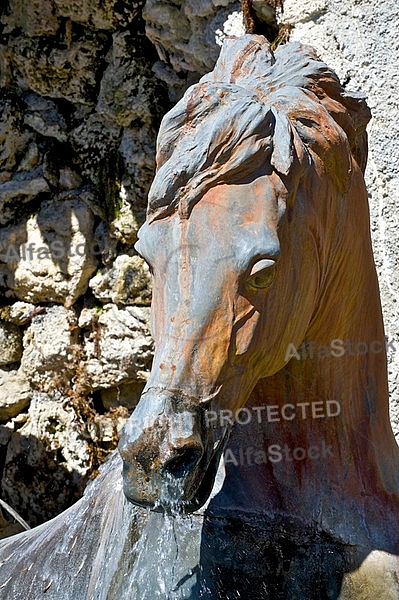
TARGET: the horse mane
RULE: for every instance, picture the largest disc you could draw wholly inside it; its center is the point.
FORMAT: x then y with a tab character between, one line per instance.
256	108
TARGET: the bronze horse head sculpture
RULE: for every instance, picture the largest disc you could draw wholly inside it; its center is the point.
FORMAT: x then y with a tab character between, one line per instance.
270	361
257	235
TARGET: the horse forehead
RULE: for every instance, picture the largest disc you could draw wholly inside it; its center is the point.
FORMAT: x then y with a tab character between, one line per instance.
240	219
231	248
253	201
231	251
240	237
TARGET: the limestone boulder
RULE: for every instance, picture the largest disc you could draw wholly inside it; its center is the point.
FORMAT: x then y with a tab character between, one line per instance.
60	66
47	460
52	256
50	355
14	139
23	188
127	92
44	117
15	392
124	227
185	34
10	343
127	282
20	313
117	345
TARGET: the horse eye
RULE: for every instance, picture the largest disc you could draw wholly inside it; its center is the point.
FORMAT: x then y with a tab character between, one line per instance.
262	274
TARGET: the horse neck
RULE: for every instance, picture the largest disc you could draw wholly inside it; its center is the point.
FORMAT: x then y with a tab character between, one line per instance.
348	315
343	357
339	402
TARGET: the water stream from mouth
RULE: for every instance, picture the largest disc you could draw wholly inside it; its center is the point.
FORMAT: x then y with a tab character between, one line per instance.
163	562
166	557
167	562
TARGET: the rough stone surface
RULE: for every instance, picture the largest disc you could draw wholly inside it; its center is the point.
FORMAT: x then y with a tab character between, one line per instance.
117	346
50	348
51	256
15	393
22	188
125	394
127	282
10	344
18	313
185	34
58	457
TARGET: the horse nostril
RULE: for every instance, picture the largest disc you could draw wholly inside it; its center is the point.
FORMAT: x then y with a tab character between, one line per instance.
180	465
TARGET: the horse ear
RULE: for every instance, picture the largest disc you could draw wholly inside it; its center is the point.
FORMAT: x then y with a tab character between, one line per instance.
325	138
355	104
283	148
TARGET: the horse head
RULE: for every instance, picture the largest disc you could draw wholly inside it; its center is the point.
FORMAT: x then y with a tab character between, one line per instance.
233	240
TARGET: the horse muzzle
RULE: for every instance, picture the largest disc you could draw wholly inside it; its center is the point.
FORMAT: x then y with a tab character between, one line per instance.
164	451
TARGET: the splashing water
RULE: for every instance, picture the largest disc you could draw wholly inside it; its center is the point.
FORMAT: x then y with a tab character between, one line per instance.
167	552
105	548
163	553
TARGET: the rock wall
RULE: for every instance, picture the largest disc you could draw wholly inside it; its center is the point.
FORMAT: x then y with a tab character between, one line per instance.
83	86
80	107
